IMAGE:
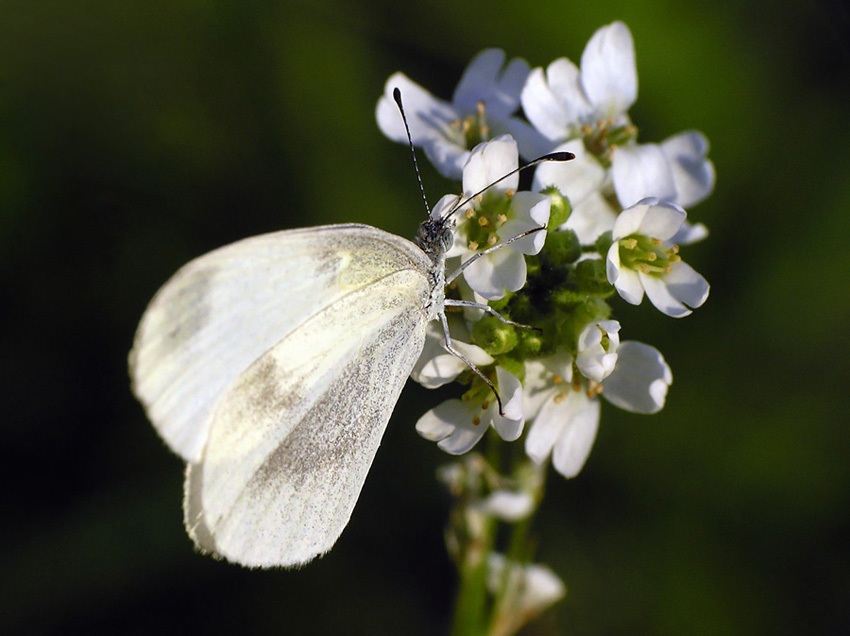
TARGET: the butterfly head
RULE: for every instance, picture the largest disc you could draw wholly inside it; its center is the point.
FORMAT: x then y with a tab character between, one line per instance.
435	237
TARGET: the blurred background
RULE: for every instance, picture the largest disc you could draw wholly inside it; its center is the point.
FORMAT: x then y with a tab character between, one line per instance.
138	134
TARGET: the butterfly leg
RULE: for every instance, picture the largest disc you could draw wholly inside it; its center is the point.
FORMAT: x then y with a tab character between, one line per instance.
468	303
448	345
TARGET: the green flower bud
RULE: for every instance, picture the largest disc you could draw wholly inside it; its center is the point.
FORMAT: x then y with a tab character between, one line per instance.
563	247
603	243
559	208
591	278
494	336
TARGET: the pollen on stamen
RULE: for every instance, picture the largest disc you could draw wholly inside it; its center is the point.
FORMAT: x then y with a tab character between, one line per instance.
651	256
558	399
476	420
482	221
485	405
656	241
469	213
492	240
510	193
501	218
557	378
473	245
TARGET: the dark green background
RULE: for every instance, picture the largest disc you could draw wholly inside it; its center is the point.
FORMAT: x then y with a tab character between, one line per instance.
135	135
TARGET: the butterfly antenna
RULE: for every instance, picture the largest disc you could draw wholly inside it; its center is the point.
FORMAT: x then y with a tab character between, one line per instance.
552	156
397	98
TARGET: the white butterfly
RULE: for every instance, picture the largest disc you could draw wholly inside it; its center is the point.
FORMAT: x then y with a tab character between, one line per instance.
272	366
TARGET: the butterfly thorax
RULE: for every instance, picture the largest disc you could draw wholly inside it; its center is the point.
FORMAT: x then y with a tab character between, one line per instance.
435	238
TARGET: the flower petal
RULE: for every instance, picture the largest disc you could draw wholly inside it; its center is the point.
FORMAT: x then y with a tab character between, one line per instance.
451	425
662	220
626	281
576	439
629	220
660	295
641	171
542	108
483	279
489	162
693	173
510	268
441	421
575	179
478	81
640	380
608	70
485	80
427	116
590	218
509	426
689	233
547	426
687	285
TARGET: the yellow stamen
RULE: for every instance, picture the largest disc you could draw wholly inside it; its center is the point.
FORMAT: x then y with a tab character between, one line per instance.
492	240
473	245
476	420
482	221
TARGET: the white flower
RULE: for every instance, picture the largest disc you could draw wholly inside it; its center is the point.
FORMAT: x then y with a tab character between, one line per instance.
458	425
530	588
597	349
563	100
482	107
564	417
501	213
640	259
436	366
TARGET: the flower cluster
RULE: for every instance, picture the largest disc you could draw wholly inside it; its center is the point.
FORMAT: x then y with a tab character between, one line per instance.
614	219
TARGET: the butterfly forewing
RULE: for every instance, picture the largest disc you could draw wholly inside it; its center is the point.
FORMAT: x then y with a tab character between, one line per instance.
281	491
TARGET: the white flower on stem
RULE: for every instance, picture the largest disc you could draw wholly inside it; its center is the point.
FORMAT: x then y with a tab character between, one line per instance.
436	366
483	106
597	349
499	214
563	100
529	588
457	425
642	260
563	415
566	423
